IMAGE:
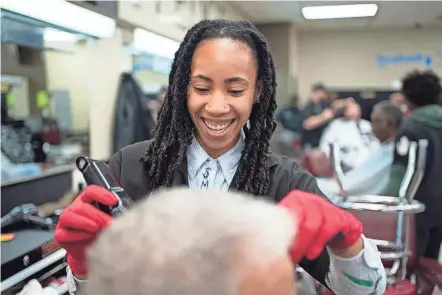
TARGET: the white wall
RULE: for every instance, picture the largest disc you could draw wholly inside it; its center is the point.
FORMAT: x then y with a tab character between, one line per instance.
106	61
293	63
68	71
277	36
283	42
349	59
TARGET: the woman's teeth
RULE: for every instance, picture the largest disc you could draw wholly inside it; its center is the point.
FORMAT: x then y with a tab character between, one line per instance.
218	127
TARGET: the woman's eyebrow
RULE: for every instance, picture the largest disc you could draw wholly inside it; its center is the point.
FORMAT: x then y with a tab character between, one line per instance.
202	77
236	79
227	81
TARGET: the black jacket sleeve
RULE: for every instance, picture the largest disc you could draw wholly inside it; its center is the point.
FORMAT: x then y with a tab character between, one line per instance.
304	181
115	165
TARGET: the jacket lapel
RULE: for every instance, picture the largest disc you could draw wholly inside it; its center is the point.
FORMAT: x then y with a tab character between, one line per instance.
233	184
180	175
271	162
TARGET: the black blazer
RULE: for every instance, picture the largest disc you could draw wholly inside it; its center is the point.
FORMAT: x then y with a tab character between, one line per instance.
285	174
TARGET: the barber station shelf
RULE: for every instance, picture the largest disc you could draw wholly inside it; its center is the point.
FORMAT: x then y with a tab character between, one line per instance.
33	269
379	204
46	172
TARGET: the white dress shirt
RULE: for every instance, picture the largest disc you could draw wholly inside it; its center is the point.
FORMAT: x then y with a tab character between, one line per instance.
206	172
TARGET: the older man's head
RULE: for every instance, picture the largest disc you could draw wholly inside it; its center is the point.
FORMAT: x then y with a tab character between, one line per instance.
193	242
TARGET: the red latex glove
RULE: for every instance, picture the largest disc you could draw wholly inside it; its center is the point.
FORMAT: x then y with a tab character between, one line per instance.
319	222
80	223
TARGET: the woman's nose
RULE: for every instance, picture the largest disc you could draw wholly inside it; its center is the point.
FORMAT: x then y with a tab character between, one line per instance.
217	105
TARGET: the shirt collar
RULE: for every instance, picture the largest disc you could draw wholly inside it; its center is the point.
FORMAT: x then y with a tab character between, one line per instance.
229	161
197	156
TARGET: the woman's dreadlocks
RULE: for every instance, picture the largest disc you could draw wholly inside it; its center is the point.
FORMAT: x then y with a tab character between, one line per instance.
173	133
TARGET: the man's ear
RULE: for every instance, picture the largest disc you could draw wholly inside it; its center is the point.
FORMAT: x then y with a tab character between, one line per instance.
258	91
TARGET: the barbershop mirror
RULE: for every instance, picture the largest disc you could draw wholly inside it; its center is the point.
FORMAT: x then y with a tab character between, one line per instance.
45	109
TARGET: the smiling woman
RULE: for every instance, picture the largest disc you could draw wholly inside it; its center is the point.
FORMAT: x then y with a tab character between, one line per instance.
230	79
222	92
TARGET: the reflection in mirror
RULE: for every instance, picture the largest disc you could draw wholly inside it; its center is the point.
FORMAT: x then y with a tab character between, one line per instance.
45	111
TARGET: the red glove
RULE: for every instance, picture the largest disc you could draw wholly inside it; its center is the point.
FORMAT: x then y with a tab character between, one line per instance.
320	223
80	223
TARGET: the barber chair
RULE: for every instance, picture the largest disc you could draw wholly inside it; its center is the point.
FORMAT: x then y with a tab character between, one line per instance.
317	163
389	221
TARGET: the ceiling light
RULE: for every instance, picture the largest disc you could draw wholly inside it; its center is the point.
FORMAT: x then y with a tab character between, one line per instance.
52	35
65	15
339	11
154	44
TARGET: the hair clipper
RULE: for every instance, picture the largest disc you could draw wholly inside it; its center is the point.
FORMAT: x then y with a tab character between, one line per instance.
98	173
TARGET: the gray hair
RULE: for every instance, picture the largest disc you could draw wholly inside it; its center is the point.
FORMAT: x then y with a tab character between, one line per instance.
187	242
392	112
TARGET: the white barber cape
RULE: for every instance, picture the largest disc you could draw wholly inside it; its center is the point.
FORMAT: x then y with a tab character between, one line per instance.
370	178
33	287
354	137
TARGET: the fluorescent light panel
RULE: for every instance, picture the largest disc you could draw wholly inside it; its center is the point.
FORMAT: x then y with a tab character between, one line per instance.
52	35
339	11
65	15
154	44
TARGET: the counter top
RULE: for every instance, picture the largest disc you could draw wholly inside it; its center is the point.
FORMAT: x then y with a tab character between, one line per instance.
46	171
25	241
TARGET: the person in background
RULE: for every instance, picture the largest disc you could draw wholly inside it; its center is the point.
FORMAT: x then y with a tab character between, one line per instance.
333	96
315	116
371	177
195	243
422	91
398	100
154	105
286	140
353	135
290	116
386	119
213	132
161	95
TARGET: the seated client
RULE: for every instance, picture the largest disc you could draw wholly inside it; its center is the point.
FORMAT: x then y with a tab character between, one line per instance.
193	242
371	176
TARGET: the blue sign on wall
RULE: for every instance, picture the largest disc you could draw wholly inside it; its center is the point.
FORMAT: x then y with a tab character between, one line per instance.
151	62
385	60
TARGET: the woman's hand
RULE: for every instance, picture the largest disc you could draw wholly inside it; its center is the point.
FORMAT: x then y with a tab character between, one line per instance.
80	223
321	223
349	252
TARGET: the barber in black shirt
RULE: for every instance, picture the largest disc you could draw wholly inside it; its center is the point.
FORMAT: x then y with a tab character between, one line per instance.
316	116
